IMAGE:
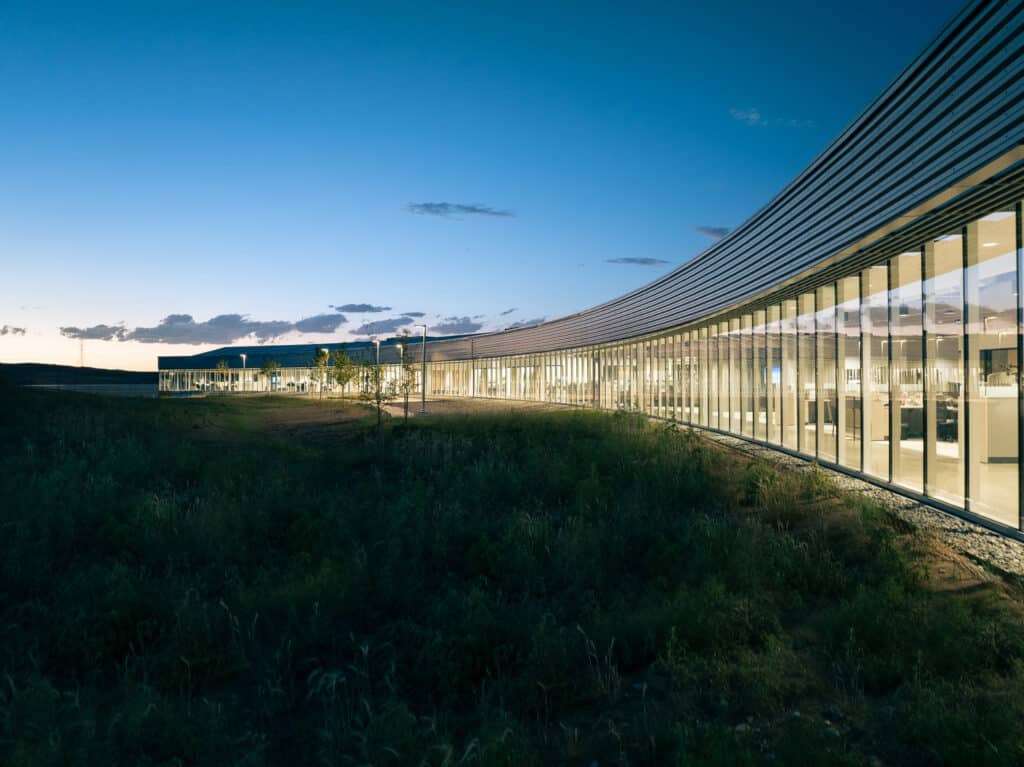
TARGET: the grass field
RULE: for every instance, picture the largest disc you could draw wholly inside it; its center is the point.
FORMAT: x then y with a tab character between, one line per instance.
271	581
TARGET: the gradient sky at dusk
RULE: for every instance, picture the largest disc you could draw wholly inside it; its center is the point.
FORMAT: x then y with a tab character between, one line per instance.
279	160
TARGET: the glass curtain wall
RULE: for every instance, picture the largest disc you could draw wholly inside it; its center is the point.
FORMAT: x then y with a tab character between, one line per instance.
735	378
807	407
992	366
714	390
827	405
789	375
704	369
906	374
907	371
944	345
774	373
761	374
746	373
874	318
848	407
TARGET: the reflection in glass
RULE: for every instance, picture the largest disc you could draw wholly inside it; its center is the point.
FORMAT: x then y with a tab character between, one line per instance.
848	408
789	377
760	375
874	315
807	383
773	377
944	330
906	375
714	387
827	410
992	366
746	373
695	407
735	416
704	368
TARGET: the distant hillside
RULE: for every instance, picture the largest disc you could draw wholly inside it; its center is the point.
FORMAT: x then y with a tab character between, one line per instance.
32	373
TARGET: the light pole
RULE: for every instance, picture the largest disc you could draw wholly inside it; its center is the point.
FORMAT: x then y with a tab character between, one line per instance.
378	383
404	381
322	372
243	371
423	371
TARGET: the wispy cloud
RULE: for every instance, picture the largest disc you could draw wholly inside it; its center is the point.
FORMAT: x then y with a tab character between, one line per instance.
414	314
750	115
449	209
509	311
525	323
382	327
95	332
456	326
637	261
753	116
6	330
714	232
360	308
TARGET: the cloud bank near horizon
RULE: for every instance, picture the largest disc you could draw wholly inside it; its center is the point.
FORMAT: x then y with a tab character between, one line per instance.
222	329
360	308
452	326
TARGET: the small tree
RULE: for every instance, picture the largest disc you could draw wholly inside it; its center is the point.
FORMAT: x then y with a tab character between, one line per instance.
320	368
406	373
344	371
222	370
374	388
269	369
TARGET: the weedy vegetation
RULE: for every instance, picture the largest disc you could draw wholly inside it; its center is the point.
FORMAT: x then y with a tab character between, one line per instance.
237	581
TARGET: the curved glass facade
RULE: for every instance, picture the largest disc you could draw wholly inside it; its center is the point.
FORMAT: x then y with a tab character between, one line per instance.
867	317
906	371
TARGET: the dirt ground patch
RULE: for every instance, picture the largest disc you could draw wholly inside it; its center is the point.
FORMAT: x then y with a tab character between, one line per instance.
440	406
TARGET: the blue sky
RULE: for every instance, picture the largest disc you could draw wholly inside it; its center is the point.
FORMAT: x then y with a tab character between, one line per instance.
276	160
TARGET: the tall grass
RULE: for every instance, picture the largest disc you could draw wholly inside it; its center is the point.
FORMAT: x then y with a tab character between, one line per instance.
179	587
